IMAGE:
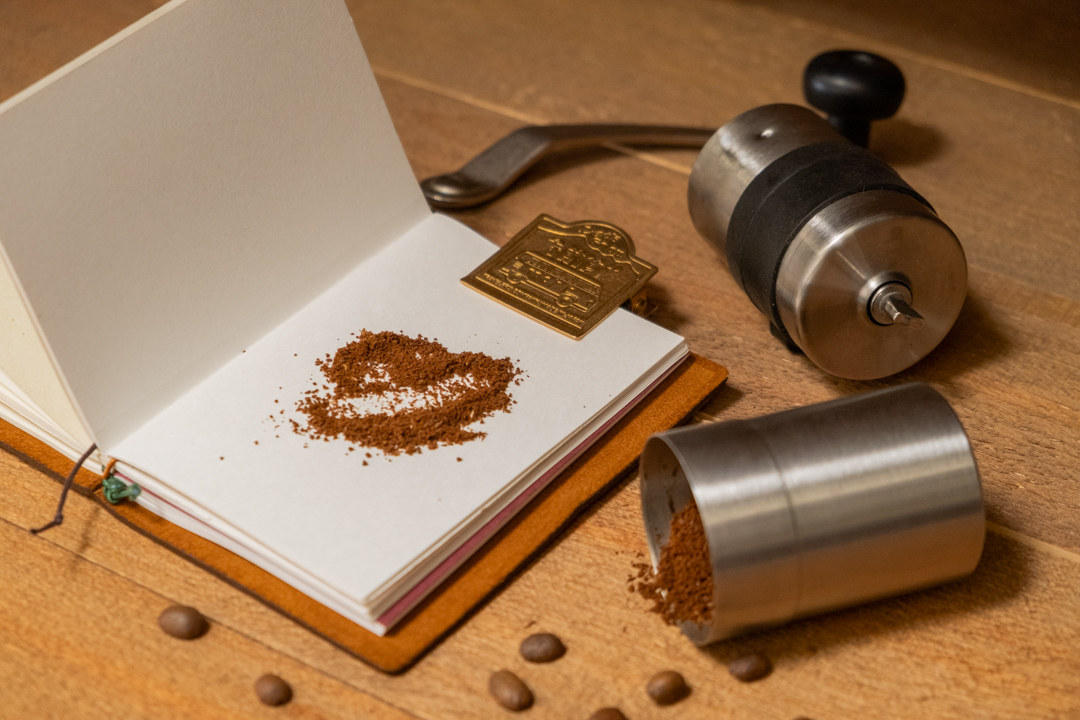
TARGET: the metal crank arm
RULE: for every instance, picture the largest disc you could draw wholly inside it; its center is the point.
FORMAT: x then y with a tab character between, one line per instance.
491	172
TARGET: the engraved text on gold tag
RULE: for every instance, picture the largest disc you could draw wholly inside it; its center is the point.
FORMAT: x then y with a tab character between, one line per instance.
567	276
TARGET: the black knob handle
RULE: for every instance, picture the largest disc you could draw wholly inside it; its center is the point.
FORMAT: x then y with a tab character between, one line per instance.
853	87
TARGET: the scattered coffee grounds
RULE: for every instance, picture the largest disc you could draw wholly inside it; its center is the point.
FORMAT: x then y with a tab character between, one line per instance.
509	691
272	690
749	668
542	648
681	589
667	687
401	394
183	622
608	714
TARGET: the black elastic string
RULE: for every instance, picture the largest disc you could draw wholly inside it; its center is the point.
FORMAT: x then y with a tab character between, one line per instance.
63	495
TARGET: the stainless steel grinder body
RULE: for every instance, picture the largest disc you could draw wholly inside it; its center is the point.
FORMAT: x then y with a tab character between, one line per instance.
820	507
846	260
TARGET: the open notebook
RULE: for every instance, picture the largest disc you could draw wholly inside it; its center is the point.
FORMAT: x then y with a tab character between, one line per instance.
191	215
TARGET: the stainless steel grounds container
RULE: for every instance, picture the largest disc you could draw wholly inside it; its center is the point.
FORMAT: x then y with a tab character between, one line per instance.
820	507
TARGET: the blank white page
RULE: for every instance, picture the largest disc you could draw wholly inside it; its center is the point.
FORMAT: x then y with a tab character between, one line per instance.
26	365
175	193
319	507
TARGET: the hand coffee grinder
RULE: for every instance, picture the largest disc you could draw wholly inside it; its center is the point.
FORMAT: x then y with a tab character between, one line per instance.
848	262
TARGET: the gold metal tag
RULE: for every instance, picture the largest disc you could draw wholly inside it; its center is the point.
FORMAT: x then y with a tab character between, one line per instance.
567	276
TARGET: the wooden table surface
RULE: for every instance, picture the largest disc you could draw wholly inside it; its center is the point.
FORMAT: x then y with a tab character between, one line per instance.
989	134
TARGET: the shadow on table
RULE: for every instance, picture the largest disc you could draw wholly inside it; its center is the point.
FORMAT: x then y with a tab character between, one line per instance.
557	164
663	312
901	143
1001	575
726	396
974	341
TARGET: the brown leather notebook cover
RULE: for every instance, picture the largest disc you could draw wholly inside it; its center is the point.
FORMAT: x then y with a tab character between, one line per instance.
600	467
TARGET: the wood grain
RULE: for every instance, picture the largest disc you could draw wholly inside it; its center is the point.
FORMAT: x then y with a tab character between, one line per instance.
38	37
999	160
1033	43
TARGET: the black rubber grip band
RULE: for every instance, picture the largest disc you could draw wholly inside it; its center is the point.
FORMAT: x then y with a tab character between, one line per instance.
783	197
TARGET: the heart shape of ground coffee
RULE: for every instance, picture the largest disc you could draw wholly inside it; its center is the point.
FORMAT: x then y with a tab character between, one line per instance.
399	394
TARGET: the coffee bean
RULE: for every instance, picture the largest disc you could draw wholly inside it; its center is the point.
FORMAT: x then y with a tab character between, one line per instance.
183	622
509	691
750	667
272	690
667	687
608	714
542	648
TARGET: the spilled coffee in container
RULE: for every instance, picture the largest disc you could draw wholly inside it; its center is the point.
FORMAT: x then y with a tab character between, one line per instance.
812	509
681	587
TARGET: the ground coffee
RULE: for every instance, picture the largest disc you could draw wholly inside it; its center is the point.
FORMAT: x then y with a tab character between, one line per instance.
401	394
681	589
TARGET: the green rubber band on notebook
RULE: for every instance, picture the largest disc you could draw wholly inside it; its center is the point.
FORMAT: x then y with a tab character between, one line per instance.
116	490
